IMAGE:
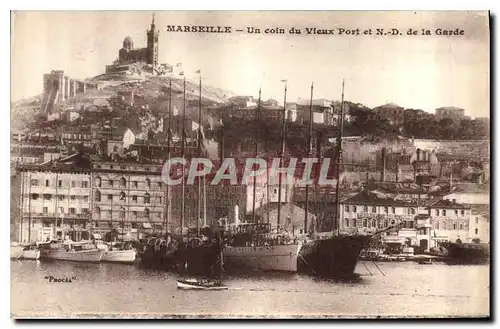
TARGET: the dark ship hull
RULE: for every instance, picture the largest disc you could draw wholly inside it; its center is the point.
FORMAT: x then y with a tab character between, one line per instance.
467	253
334	257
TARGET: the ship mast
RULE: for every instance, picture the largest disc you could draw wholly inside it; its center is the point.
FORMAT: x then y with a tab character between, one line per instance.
309	153
183	204
257	117
282	154
169	137
339	161
200	150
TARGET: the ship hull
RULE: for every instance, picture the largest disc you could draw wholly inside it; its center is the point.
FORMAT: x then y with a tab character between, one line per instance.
467	253
31	254
335	257
16	252
86	256
119	256
266	258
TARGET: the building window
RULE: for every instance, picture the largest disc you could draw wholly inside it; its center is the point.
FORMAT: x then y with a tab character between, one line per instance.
354	222
34	182
386	223
98	182
346	207
393	210
365	208
455	226
411	224
47	183
72	210
60	197
477	220
347	222
122	213
354	209
134	198
461	226
456	212
134	184
85	184
365	223
123	182
374	209
85	198
444	212
73	184
386	210
159	185
147	198
412	210
159	199
73	197
47	196
475	231
148	183
45	210
462	212
134	215
110	197
97	211
374	223
122	196
85	210
110	183
437	212
146	212
98	196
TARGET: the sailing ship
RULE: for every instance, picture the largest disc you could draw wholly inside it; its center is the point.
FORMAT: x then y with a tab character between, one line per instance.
466	253
68	250
334	255
252	245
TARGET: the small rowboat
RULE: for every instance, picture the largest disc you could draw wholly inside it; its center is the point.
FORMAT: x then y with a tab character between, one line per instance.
200	284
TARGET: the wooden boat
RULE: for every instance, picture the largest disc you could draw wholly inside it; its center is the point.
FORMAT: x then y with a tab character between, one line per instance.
71	251
200	284
16	251
117	253
31	252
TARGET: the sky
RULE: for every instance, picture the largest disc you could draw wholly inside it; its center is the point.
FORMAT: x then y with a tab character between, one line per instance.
423	71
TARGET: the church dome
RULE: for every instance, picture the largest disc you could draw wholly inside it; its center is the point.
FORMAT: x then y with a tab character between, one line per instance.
128	43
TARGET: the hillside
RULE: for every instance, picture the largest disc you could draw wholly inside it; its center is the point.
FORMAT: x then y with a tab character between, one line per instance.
151	89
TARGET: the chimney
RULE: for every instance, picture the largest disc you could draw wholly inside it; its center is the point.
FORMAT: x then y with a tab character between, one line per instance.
382	173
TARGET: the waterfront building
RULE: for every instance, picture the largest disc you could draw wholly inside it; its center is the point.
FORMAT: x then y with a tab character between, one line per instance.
55	199
451	221
127	196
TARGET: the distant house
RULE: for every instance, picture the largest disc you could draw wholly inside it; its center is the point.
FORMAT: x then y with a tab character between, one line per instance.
128	138
449	112
392	112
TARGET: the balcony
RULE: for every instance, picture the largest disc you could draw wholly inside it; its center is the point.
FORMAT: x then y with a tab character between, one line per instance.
58	215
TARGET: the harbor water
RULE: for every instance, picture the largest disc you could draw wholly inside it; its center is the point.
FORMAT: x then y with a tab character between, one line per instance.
398	289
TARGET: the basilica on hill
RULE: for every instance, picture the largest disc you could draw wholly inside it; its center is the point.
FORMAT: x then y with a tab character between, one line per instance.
148	55
133	60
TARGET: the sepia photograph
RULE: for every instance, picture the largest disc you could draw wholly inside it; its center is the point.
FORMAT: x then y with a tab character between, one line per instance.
250	165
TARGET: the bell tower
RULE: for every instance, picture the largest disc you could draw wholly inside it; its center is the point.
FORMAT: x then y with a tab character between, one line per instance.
152	46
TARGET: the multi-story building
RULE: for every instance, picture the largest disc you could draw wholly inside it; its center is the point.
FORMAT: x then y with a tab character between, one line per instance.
55	198
451	221
127	197
392	112
450	112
